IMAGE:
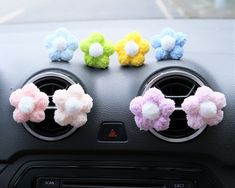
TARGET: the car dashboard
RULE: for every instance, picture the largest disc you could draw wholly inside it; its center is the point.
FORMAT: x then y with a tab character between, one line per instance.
110	150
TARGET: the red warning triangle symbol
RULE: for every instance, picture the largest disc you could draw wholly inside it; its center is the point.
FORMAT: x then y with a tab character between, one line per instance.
112	134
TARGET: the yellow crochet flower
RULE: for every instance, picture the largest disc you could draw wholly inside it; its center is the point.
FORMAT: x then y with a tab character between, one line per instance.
131	50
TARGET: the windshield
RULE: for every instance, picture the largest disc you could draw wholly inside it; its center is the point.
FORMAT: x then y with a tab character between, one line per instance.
25	11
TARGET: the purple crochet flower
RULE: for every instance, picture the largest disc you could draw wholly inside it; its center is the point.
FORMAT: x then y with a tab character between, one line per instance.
152	110
204	108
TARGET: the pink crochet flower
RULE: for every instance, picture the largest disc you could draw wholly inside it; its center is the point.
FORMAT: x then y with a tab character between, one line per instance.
72	106
204	108
152	110
29	104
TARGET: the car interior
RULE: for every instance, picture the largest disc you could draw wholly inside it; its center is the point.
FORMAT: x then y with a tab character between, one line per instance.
102	137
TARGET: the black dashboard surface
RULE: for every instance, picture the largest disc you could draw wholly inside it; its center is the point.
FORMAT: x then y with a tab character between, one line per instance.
209	53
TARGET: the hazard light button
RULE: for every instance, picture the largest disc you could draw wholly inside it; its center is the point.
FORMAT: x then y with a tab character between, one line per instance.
112	132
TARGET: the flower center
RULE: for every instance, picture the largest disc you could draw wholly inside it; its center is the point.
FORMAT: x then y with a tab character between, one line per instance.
96	50
72	105
168	43
60	43
131	48
26	105
208	109
151	111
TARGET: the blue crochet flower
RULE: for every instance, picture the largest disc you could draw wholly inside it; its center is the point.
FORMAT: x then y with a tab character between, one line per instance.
61	45
169	44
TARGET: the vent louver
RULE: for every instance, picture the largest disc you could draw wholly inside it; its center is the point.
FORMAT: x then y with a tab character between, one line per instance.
49	82
176	85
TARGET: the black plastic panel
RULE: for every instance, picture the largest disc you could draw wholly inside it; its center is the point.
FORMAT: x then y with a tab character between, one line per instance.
86	174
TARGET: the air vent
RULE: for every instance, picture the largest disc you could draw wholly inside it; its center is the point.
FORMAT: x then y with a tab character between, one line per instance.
176	85
48	129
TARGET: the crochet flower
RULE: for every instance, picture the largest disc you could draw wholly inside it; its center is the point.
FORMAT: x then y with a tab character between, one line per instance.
131	50
29	104
204	108
61	45
152	110
72	106
169	44
97	50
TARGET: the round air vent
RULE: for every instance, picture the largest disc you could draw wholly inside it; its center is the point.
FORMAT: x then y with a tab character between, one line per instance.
176	85
49	130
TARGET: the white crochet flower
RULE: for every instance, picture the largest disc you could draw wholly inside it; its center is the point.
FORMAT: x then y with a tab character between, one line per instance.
72	106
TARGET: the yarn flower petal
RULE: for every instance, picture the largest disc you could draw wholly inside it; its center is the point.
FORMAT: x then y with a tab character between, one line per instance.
204	108
152	110
29	104
37	116
61	45
72	106
97	50
132	49
138	60
169	44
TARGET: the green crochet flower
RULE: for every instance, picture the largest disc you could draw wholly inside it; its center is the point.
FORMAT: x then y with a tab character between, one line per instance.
97	50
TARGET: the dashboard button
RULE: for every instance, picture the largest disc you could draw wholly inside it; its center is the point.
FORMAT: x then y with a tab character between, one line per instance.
180	184
112	132
48	183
